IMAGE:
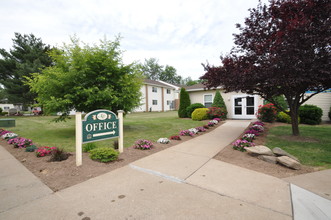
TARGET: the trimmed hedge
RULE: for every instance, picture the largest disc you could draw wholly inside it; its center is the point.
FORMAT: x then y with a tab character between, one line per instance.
104	154
192	107
310	114
200	114
283	117
216	112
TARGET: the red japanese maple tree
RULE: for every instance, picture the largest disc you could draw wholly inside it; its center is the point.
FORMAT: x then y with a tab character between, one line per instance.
283	49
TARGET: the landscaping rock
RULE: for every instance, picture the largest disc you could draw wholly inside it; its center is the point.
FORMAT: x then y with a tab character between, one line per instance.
280	152
289	162
269	159
259	150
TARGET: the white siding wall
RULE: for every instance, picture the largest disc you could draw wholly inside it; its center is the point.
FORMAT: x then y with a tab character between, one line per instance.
198	97
154	96
168	99
322	100
142	107
6	107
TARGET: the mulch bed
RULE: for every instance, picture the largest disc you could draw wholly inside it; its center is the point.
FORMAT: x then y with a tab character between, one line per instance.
243	159
60	175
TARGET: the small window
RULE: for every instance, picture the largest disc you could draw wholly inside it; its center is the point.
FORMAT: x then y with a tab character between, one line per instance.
208	100
154	102
5	108
168	91
154	89
168	102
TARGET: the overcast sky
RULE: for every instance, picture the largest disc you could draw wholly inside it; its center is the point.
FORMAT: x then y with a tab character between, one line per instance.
179	33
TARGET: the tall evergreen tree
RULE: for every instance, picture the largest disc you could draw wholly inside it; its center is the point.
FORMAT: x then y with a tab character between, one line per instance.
219	102
184	103
28	55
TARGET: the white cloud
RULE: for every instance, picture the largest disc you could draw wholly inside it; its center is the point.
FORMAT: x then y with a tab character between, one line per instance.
180	33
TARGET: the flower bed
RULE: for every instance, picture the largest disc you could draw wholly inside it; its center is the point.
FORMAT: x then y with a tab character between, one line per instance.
249	135
44	151
143	144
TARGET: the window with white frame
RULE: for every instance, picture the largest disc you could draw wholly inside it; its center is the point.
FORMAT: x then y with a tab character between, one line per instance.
168	91
208	100
168	102
154	89
154	102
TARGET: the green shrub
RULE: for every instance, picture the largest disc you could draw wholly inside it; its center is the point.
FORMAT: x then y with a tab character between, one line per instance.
0	110
283	117
216	112
31	148
219	102
280	100
104	154
184	103
192	107
58	155
310	114
200	114
267	113
89	146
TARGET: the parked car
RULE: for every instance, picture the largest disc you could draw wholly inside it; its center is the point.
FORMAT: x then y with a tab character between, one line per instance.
37	111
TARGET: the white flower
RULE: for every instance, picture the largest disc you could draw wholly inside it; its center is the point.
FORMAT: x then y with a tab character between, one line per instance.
9	135
193	130
163	141
215	122
249	135
259	126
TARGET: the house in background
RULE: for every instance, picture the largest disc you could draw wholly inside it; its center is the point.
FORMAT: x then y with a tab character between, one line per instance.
244	106
158	96
6	107
239	105
322	100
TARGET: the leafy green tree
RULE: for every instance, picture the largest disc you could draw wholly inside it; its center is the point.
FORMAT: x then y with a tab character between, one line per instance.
3	96
219	102
87	78
188	81
28	55
169	74
184	102
151	69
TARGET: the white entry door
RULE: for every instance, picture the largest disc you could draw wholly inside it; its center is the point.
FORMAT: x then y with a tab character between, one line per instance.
244	106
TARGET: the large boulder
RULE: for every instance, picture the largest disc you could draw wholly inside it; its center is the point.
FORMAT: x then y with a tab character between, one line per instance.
280	152
259	150
289	162
269	159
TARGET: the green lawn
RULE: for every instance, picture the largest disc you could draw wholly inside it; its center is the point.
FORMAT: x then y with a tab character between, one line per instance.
316	153
149	126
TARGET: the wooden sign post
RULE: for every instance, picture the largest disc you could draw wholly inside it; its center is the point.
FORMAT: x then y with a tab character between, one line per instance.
98	125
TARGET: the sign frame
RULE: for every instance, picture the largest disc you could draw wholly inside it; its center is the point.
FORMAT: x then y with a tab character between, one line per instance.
98	125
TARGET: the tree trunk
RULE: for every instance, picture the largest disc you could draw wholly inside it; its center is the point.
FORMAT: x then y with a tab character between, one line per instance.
295	121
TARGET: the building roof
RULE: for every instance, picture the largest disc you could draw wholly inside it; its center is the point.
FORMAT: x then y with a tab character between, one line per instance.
159	83
198	87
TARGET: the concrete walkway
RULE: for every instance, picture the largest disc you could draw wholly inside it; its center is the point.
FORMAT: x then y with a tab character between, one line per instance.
182	182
